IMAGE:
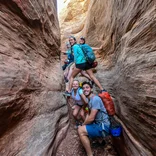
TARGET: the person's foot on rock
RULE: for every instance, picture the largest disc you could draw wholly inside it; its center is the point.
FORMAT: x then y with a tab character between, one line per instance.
104	90
92	83
66	80
98	144
66	93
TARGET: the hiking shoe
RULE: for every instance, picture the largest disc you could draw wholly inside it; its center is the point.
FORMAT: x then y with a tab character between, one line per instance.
66	80
97	144
66	93
78	124
104	90
92	83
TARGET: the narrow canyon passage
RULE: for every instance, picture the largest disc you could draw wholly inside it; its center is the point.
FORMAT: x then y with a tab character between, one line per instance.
71	145
126	32
34	115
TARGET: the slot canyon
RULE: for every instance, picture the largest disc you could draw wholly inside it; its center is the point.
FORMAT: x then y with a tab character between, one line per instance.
35	118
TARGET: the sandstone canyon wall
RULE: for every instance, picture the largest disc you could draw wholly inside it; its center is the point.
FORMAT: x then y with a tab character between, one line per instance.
126	29
33	114
72	18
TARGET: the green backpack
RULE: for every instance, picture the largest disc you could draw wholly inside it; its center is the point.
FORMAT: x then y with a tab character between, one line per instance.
88	52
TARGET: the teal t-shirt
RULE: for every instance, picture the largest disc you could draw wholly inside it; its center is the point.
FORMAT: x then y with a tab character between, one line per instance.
68	51
78	54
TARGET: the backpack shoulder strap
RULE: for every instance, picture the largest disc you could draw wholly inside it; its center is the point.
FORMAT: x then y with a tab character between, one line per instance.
78	90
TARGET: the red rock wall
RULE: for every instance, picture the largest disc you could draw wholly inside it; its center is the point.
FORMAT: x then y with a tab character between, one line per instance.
33	114
72	18
126	29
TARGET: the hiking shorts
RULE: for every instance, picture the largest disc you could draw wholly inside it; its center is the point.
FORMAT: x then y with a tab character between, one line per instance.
70	64
84	66
79	105
95	130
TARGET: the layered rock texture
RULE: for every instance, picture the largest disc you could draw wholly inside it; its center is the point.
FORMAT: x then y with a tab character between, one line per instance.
33	113
73	17
127	65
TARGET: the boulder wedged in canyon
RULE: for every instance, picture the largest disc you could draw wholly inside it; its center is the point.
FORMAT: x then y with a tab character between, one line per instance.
127	64
33	114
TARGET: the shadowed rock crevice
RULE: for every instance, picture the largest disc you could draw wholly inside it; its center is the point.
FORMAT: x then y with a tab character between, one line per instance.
11	113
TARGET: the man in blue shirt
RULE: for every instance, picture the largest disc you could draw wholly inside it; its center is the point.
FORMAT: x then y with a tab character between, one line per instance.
97	121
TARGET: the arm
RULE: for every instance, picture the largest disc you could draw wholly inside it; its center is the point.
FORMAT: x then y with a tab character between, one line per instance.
95	107
90	117
64	52
83	97
96	48
68	51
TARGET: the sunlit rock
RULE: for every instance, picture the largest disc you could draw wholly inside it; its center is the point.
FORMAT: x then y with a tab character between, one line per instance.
72	18
127	63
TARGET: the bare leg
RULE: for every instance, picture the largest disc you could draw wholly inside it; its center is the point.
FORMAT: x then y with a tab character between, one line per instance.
76	111
82	114
73	75
67	86
85	75
90	73
66	72
85	140
71	68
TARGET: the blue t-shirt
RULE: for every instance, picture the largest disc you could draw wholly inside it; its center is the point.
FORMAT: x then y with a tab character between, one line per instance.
79	57
102	115
70	55
77	97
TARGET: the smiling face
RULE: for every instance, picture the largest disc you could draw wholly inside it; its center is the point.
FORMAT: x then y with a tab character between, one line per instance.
75	85
81	41
68	46
86	89
72	41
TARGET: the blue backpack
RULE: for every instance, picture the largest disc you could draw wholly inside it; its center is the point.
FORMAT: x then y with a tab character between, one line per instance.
88	52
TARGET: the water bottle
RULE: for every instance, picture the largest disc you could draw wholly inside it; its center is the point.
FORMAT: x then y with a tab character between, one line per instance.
86	110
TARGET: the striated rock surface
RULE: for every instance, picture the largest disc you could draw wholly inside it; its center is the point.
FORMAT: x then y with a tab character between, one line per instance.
126	29
127	66
33	113
72	18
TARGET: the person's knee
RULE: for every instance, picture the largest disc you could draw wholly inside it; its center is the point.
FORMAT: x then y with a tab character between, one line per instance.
81	130
75	114
82	115
92	76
